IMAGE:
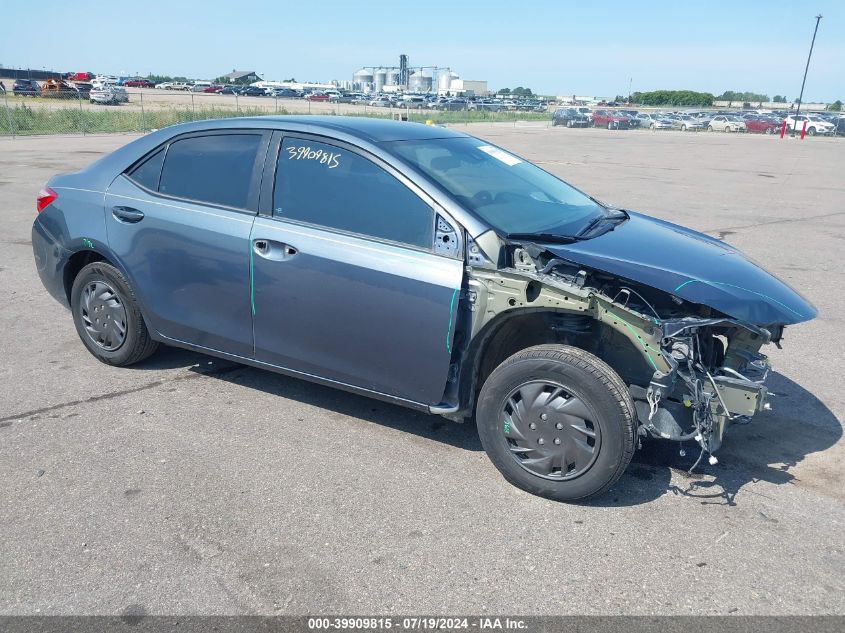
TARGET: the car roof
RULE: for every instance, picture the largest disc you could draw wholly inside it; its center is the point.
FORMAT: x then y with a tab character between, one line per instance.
367	129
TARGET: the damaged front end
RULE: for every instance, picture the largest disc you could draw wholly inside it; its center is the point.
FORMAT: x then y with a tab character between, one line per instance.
715	375
691	368
708	370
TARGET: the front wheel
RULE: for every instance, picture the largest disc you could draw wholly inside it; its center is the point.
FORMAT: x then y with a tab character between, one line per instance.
557	422
107	316
683	128
811	131
709	128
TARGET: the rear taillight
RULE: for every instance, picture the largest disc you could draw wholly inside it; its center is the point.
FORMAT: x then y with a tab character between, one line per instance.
45	197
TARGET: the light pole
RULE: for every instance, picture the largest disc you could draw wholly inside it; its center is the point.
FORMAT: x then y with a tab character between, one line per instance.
806	68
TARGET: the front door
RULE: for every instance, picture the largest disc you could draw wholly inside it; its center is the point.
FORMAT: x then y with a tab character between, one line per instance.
347	284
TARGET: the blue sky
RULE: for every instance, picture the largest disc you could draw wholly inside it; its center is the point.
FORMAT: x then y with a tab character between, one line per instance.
583	47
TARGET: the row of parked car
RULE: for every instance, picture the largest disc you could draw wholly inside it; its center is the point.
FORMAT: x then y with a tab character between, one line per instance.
95	92
759	121
380	100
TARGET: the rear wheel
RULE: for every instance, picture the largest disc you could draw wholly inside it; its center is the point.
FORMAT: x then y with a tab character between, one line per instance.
683	128
557	422
107	316
709	128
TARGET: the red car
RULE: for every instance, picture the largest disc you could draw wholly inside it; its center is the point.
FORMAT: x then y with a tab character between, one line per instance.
762	126
611	120
138	83
317	96
213	89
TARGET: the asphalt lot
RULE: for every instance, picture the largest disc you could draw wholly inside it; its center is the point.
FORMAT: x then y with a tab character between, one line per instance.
189	485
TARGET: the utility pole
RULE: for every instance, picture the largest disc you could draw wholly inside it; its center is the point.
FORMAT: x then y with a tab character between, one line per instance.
806	68
630	83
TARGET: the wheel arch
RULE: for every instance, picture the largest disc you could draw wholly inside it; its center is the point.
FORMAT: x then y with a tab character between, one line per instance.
515	330
77	262
99	253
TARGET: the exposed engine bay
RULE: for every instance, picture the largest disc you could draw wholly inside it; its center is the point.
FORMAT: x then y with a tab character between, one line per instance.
690	369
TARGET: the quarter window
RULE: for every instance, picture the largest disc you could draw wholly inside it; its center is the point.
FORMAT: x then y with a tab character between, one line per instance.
147	173
216	169
333	187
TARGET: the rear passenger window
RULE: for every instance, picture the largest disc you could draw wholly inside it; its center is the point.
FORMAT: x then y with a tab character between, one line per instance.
333	187
147	173
217	168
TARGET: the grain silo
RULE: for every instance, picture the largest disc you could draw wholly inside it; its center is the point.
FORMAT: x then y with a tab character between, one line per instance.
362	79
380	78
420	82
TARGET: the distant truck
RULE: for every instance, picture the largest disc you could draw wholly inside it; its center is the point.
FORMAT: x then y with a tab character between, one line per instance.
79	76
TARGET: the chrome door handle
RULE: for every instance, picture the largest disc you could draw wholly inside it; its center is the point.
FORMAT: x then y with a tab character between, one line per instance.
276	251
127	215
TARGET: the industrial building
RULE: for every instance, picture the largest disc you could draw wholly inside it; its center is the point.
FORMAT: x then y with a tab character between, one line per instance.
415	79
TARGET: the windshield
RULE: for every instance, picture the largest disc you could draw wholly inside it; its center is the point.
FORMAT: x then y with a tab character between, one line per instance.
510	194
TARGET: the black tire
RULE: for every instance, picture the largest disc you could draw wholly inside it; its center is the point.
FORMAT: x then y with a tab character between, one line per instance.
811	131
709	128
581	376
136	343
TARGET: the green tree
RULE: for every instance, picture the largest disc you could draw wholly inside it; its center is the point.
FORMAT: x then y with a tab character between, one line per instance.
732	95
836	106
779	99
519	91
673	97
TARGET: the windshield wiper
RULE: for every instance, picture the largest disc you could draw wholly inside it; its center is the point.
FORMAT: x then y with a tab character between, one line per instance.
543	237
612	216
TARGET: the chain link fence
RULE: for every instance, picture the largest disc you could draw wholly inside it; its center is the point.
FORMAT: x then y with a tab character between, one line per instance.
150	109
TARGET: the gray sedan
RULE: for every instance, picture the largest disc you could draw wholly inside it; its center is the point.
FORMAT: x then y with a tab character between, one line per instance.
424	267
685	122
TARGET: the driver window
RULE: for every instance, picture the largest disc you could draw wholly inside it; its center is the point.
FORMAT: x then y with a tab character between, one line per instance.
333	187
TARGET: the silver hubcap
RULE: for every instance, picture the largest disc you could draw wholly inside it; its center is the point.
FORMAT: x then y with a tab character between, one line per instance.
103	315
549	431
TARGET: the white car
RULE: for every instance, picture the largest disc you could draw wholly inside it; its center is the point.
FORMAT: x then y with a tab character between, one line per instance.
815	125
165	85
102	83
587	113
726	123
107	95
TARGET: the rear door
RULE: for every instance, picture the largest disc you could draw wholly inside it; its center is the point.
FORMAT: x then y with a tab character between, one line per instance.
179	221
348	283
